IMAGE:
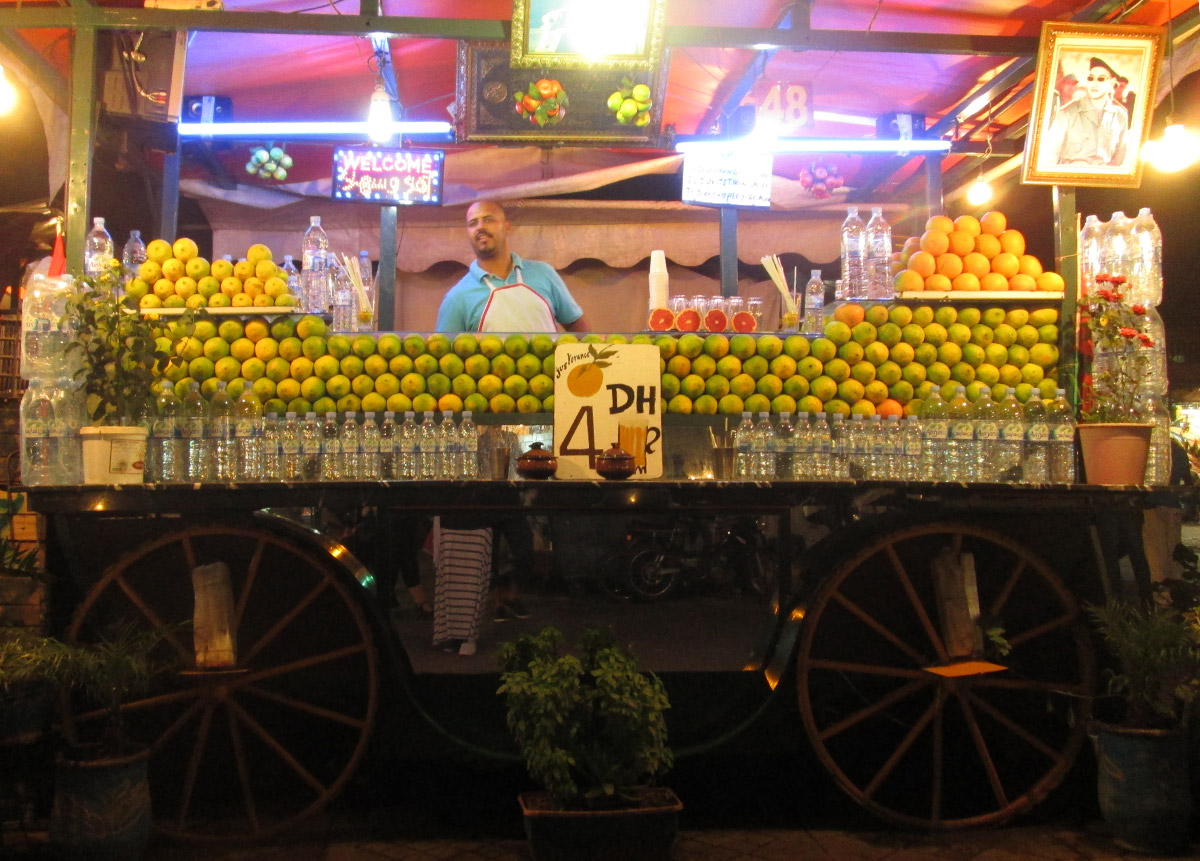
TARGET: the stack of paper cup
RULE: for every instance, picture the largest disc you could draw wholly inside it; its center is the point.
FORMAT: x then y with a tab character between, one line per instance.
658	280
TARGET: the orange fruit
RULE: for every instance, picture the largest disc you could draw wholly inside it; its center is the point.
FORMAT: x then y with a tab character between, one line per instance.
993	281
923	263
1013	241
937	282
911	244
889	407
1051	281
987	245
966	281
940	223
993	223
851	314
976	264
968	224
908	281
1029	265
1021	282
1006	264
950	265
961	242
935	242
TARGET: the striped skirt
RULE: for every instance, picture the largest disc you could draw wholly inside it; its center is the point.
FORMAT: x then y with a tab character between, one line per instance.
464	570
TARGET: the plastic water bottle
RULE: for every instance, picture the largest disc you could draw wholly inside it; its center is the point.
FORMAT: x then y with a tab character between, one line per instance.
839	448
66	466
856	448
291	466
248	436
428	453
802	448
912	437
97	249
195	434
822	448
987	439
369	465
1035	467
344	317
37	412
1156	355
310	447
314	283
743	459
389	438
272	448
133	255
350	437
814	304
854	254
1117	257
409	448
935	438
784	447
331	448
1146	285
316	241
961	439
879	256
1158	462
292	275
1091	253
764	447
450	446
468	435
877	449
1010	450
46	330
224	461
893	450
165	461
1061	419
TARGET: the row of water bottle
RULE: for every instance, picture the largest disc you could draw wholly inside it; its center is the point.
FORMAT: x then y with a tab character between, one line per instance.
985	441
323	282
192	440
1130	247
866	256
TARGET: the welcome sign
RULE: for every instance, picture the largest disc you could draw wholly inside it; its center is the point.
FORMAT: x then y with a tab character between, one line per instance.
605	395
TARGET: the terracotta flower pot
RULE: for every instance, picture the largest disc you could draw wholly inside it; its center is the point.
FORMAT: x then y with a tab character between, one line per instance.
1115	453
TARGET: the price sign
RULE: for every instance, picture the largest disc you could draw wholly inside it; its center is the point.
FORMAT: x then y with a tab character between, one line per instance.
606	394
727	178
782	104
388	175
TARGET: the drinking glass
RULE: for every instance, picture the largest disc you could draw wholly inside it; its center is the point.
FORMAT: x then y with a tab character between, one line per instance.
755	307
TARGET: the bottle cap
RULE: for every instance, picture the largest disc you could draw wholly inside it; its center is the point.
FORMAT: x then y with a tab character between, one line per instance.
369	415
290	416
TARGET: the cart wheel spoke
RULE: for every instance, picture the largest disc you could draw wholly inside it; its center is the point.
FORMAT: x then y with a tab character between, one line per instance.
301	705
198	747
922	763
280	750
251	575
178	724
243	769
297	665
140	705
283	622
154	620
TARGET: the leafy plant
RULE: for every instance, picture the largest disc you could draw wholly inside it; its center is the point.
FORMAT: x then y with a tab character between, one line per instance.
120	354
114	671
591	728
1157	649
1121	362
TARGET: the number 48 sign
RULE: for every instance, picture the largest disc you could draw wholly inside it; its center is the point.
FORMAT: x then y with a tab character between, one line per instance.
605	395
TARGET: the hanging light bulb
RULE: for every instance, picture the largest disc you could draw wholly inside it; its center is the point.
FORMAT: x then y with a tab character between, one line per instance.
379	116
1177	149
980	191
8	94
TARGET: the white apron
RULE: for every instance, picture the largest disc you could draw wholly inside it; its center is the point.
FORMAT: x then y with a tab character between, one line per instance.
515	308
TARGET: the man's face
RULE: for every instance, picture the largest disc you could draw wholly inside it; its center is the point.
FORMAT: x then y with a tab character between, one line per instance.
487	228
1099	84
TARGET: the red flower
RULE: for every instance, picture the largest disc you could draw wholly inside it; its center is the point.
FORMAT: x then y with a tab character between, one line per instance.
1103	278
1138	309
1146	340
1108	295
1126	332
1117	279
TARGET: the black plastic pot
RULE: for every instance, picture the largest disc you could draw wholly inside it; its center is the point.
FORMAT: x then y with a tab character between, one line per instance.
642	833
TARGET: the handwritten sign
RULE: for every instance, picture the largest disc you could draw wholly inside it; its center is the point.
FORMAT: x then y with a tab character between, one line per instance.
388	175
606	394
727	178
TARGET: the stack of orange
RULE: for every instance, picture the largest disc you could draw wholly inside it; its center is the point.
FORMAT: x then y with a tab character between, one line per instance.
969	254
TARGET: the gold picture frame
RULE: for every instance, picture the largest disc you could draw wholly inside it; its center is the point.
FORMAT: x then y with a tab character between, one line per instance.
543	35
1092	104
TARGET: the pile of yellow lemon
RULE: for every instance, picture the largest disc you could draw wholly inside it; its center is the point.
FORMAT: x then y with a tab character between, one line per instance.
969	255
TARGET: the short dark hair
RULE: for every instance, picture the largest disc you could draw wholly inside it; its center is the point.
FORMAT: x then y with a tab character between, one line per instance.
1096	61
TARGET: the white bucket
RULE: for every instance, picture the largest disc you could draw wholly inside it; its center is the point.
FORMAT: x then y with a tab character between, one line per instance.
113	455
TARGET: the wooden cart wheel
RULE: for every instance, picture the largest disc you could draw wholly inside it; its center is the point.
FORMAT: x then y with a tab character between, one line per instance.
909	731
249	751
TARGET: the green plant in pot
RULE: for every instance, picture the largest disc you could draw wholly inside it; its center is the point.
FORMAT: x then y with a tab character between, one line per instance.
591	729
1143	756
102	798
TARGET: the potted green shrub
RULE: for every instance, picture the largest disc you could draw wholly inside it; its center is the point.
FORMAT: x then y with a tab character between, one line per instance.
592	731
1143	756
120	356
102	797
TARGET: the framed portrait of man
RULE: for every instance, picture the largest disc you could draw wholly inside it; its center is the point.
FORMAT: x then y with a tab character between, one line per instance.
1092	104
587	34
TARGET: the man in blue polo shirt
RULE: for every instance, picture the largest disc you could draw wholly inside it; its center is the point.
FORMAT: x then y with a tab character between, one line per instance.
501	292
